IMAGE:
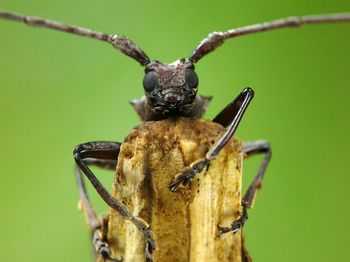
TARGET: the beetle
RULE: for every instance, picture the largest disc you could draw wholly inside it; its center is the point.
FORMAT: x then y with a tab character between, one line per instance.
170	91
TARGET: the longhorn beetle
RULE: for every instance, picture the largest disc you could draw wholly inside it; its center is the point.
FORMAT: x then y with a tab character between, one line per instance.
170	92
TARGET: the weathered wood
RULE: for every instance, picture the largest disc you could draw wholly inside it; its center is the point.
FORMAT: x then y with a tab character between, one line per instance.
184	223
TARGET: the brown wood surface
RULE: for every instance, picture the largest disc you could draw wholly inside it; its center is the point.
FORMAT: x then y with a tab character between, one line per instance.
184	223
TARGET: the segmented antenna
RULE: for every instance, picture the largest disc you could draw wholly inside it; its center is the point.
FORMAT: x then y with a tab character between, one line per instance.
216	39
122	43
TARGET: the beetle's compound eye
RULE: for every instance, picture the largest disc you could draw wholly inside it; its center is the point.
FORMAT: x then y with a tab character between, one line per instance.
191	78
150	81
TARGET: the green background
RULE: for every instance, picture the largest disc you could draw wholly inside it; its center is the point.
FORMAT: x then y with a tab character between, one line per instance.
59	90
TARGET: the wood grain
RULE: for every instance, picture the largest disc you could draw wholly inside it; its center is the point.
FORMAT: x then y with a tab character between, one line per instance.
184	223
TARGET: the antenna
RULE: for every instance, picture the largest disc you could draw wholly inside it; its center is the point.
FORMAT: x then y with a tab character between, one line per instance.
122	43
216	39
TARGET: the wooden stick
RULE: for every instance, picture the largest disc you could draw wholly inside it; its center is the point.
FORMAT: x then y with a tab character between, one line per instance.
184	223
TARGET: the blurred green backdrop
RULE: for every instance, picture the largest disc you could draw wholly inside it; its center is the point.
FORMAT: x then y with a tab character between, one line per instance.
59	90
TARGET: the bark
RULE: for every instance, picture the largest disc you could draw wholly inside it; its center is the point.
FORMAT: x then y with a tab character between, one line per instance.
184	223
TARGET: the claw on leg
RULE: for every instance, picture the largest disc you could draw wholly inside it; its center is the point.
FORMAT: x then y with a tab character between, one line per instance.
236	225
185	177
143	227
102	247
150	245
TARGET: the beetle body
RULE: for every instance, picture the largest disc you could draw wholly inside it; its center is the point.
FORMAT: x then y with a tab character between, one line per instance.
144	192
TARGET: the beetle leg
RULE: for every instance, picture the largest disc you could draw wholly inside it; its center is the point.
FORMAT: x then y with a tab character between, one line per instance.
99	241
251	148
227	115
104	154
97	226
235	110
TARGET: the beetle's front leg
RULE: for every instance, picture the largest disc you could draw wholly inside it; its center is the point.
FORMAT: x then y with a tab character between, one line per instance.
233	111
107	159
186	177
104	154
